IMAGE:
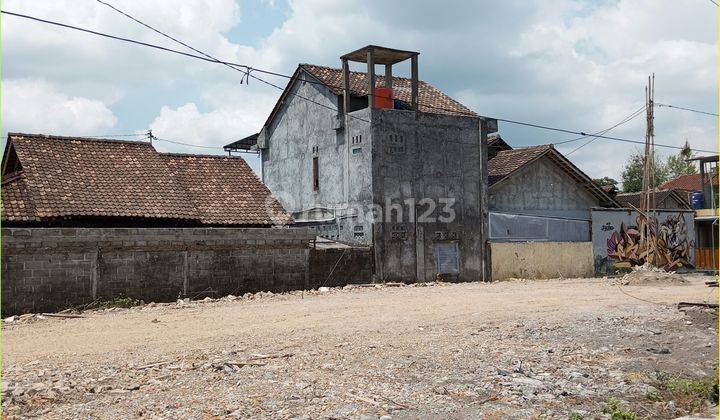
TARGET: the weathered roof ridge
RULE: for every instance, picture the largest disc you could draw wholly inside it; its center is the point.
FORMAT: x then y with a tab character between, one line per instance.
71	138
508	162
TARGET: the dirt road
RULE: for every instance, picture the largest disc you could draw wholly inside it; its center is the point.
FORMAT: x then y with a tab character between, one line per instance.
501	350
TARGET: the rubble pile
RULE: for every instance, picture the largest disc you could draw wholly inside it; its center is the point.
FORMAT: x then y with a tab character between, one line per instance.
646	274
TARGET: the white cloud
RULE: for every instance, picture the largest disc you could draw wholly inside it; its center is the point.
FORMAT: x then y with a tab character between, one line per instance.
207	129
574	64
36	106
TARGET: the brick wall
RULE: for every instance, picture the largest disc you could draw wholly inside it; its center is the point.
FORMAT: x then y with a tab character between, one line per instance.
48	269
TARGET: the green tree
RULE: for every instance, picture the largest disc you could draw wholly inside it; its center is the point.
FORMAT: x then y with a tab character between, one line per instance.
606	181
678	165
632	175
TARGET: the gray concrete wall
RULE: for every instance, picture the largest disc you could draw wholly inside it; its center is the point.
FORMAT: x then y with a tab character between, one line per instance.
381	155
542	188
303	130
607	225
419	156
48	269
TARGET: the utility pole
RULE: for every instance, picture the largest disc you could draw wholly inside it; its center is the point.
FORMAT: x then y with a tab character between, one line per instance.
647	202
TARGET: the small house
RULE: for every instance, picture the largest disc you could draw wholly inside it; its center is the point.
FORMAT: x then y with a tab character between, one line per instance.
54	181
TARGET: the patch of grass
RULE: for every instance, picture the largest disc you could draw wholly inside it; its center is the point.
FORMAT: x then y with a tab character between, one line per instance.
688	393
654	395
120	302
617	411
700	388
576	416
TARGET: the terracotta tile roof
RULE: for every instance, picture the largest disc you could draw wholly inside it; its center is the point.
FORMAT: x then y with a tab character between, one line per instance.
16	202
496	144
431	99
81	177
225	189
633	199
508	161
687	182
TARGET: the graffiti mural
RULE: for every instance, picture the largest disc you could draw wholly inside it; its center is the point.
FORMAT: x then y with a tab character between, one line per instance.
625	238
666	246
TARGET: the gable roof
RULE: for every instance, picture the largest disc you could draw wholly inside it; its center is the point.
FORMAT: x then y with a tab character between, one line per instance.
431	100
633	199
495	145
508	162
691	182
65	177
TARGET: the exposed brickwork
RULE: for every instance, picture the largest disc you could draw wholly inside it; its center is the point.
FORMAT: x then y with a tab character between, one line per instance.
47	269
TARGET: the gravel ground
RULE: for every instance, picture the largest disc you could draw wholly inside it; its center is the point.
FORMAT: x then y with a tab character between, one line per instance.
518	349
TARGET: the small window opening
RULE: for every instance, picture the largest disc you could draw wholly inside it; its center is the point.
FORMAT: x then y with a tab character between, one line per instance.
316	177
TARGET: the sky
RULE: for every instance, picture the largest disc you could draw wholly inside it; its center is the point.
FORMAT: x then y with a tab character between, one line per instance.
579	65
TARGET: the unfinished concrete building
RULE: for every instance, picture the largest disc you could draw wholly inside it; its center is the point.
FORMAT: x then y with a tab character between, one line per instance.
404	170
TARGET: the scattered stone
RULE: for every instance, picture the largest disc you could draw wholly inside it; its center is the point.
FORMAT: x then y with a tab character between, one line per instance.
649	275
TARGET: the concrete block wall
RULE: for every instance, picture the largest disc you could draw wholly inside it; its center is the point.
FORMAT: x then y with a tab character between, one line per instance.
543	189
427	158
48	269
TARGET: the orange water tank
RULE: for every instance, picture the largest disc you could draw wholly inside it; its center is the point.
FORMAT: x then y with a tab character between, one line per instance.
384	98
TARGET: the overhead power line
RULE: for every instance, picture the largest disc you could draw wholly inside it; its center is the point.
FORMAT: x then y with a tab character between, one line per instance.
186	144
232	66
247	72
562	130
687	109
623	121
253	69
